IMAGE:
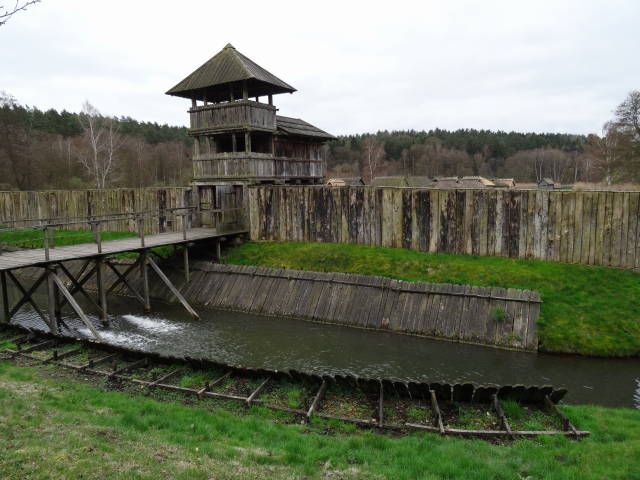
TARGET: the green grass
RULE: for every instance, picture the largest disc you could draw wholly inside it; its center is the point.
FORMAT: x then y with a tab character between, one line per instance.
586	310
55	425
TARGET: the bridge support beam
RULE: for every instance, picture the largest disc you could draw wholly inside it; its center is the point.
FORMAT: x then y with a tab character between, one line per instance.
185	255
51	301
144	276
72	301
173	289
5	297
102	290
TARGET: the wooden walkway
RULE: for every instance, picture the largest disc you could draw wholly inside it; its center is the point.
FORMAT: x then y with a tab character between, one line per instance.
37	257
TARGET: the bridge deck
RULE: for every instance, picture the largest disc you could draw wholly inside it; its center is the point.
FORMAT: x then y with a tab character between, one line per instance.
36	256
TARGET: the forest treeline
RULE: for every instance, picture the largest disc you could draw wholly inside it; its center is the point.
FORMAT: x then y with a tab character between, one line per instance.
51	149
611	157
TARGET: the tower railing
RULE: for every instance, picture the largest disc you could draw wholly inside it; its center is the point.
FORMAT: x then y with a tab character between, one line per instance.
233	115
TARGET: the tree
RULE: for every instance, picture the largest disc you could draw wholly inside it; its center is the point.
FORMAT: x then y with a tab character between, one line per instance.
102	142
373	153
628	114
7	12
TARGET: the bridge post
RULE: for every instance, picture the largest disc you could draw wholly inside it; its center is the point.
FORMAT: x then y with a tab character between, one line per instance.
100	270
57	302
5	297
141	229
218	254
185	250
102	291
144	275
51	300
185	254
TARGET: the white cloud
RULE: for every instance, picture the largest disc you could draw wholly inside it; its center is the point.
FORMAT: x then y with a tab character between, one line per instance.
359	66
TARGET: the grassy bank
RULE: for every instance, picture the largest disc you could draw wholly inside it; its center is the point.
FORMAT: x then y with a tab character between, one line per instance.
57	425
586	310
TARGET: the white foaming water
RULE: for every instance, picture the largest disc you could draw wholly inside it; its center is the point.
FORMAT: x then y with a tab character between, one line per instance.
155	325
116	338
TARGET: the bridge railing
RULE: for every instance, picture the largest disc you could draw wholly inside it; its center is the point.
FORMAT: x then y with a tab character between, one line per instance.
49	233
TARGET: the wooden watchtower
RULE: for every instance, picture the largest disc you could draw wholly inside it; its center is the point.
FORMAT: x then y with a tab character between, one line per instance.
240	140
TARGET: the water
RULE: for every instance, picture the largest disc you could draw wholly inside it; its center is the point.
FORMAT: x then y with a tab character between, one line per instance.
282	344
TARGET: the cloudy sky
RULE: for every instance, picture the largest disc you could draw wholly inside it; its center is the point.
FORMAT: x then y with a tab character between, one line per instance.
533	65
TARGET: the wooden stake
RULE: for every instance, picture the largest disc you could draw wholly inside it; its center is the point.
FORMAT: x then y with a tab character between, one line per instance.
257	391
381	406
500	413
436	411
318	398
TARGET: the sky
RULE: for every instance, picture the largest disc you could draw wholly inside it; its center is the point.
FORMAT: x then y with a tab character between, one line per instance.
544	66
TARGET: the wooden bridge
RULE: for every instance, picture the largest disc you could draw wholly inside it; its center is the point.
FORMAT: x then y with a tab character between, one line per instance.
97	256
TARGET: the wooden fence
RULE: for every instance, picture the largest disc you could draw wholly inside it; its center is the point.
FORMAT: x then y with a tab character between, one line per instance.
29	208
594	228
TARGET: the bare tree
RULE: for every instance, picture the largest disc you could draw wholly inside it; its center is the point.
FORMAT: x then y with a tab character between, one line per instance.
373	153
102	141
7	12
628	113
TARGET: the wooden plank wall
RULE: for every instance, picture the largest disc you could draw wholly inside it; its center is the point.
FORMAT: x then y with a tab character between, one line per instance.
455	312
592	228
69	205
489	316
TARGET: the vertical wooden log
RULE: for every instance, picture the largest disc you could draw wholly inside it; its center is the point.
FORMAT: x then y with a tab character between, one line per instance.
45	240
102	290
185	254
57	303
218	251
51	301
144	276
5	297
141	230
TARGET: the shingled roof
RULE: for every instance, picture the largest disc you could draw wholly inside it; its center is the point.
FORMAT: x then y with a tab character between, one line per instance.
226	70
295	126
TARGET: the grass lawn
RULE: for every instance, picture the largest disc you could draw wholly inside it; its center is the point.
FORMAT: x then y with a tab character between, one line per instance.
586	310
58	425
